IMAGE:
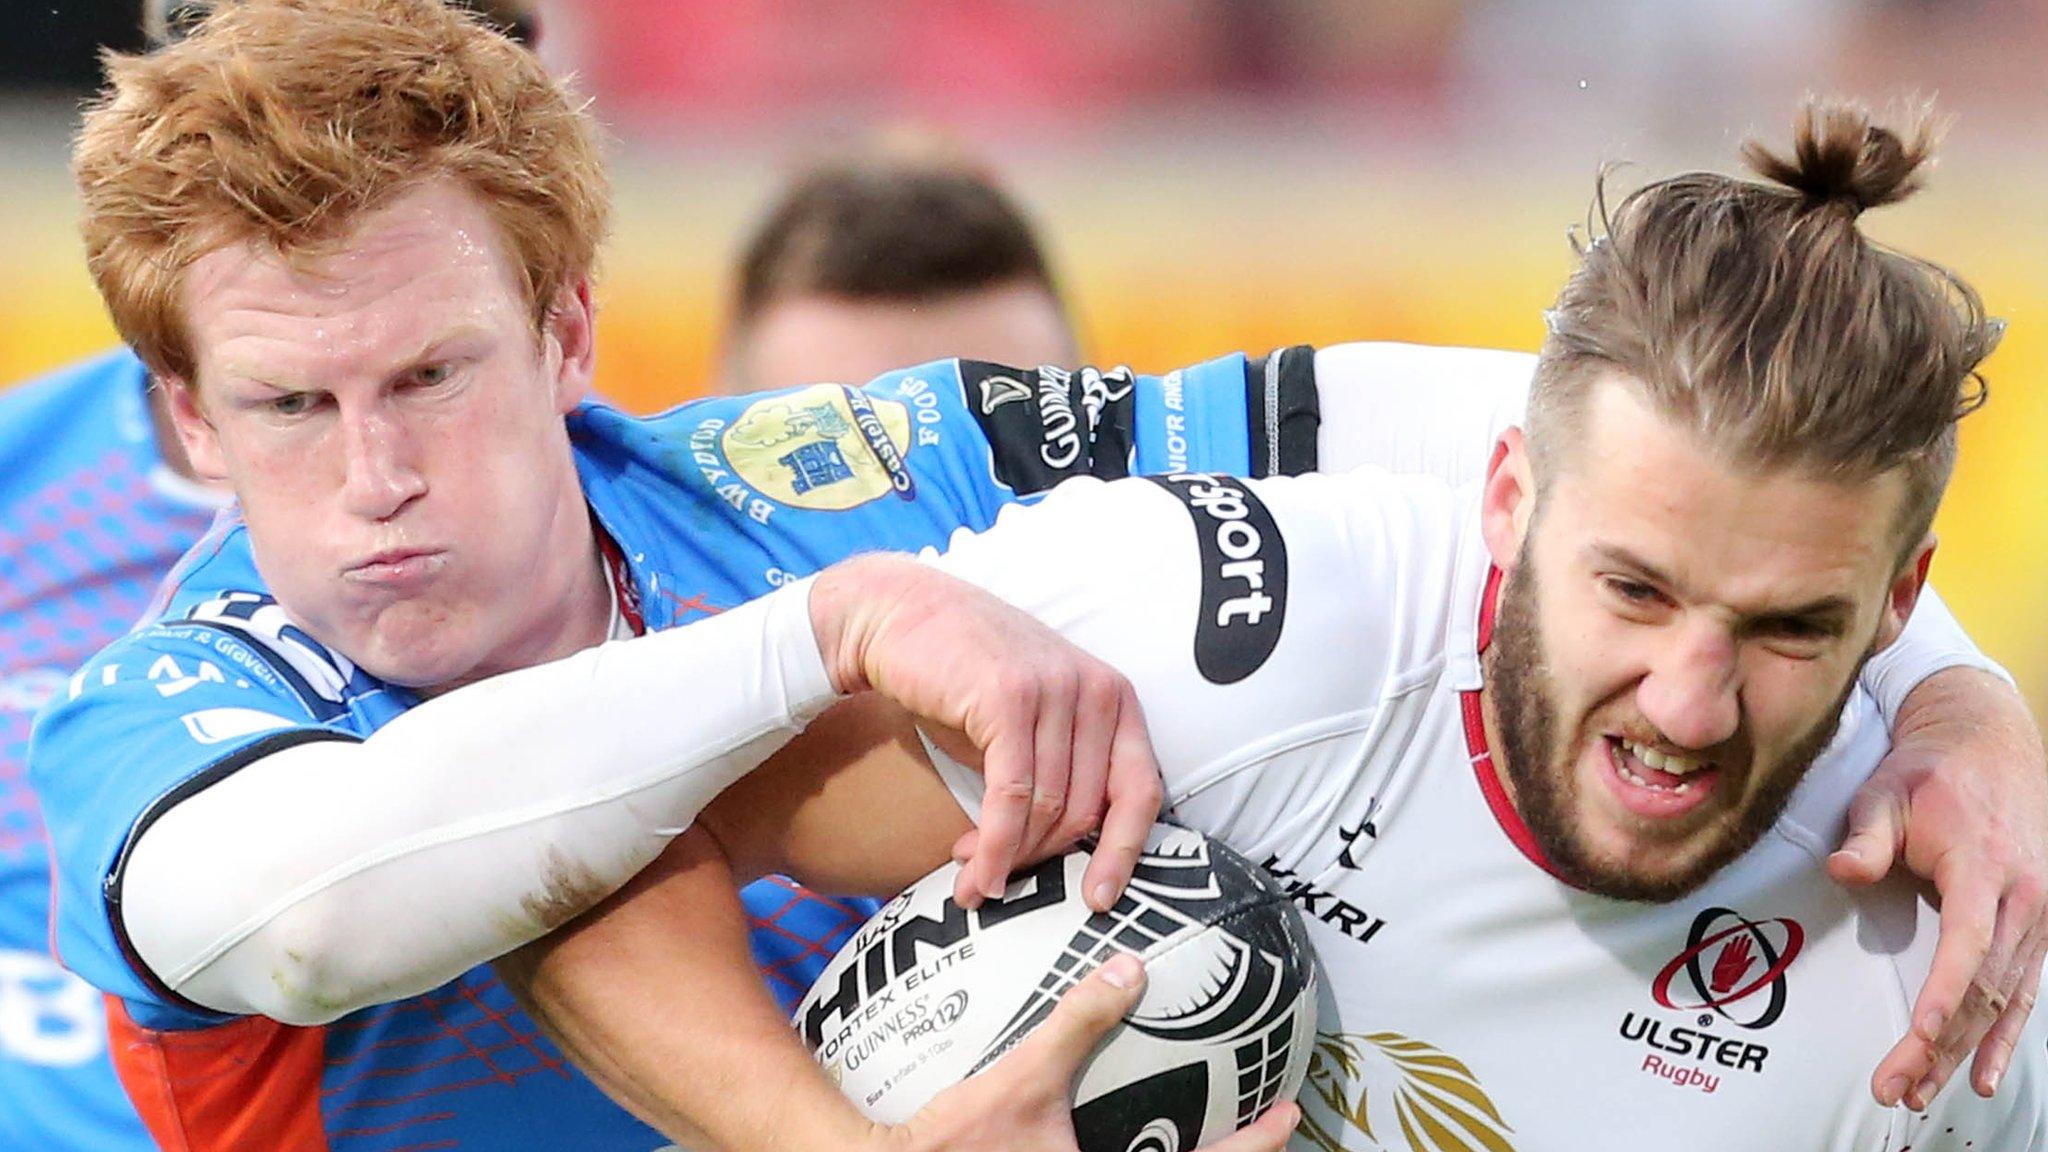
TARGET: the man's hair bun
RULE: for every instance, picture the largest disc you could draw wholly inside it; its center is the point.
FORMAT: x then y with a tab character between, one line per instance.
1841	157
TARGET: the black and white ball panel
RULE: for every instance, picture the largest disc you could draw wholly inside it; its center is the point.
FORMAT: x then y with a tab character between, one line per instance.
927	993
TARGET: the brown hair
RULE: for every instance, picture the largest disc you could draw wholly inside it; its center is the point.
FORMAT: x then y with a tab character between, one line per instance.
1759	315
907	218
283	121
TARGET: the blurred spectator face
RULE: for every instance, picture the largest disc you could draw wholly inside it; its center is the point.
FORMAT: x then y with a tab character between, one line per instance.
901	252
812	338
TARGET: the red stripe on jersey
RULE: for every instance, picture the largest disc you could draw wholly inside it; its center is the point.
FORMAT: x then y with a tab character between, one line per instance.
1489	605
1496	794
195	1090
622	585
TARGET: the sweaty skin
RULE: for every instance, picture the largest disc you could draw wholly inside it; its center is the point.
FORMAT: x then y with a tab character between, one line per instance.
393	428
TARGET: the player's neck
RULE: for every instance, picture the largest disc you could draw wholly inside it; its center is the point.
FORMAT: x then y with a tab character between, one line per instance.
588	605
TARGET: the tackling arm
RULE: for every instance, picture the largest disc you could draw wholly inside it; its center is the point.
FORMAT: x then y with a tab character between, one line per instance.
485	817
854	804
464	828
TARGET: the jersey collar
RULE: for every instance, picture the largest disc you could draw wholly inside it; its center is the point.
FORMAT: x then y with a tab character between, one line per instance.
1490	787
626	618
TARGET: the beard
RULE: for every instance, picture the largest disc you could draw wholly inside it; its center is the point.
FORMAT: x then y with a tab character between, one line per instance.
1539	766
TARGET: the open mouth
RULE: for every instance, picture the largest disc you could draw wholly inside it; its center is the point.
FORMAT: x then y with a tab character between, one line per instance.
1656	784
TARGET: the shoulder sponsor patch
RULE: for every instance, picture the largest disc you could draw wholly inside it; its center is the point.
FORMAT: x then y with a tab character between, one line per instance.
1244	574
826	447
1046	424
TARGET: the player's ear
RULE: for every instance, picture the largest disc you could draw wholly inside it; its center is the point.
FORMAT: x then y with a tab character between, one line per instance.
195	432
1903	594
569	343
1508	501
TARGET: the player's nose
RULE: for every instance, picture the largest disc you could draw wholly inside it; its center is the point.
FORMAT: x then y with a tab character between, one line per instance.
380	475
1692	690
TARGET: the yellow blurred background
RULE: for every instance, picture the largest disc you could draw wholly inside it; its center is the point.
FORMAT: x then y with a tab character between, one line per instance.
1193	218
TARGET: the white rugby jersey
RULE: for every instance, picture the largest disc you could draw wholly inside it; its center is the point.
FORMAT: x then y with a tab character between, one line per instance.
1307	653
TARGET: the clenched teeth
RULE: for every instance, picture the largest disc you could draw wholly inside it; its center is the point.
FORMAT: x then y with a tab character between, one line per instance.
1679	789
1664	761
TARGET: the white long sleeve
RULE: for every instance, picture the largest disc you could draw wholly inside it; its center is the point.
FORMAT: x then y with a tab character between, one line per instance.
465	828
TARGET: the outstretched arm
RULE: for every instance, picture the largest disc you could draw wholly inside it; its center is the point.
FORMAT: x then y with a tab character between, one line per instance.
425	874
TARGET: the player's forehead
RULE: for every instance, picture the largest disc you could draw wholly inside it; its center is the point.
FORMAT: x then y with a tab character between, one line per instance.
422	269
1641	491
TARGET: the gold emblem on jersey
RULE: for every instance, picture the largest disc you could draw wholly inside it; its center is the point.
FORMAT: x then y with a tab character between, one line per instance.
1434	1102
824	447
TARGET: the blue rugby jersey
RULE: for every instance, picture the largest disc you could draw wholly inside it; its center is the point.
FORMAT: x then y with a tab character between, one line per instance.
90	519
710	504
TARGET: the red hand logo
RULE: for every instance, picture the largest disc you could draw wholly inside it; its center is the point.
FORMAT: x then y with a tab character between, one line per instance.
1730	965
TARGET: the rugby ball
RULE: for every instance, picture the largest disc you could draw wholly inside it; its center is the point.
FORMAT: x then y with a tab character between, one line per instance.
927	993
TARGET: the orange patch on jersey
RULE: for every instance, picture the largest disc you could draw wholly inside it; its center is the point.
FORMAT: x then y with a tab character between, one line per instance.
248	1083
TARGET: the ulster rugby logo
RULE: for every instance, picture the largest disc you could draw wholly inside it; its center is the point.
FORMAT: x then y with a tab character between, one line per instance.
1732	965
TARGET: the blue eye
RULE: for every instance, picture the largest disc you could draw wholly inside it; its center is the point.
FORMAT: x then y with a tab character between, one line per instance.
293	403
431	375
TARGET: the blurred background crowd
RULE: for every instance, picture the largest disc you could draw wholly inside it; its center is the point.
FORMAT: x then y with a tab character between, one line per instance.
1213	175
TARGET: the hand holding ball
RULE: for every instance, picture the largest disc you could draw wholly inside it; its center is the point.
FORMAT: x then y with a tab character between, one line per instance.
928	993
